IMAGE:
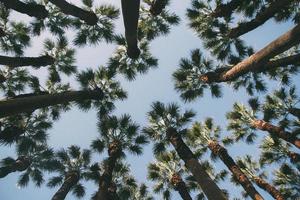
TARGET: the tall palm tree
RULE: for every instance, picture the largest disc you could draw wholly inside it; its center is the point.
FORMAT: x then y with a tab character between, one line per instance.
165	127
117	135
207	135
74	166
31	163
251	168
168	173
243	120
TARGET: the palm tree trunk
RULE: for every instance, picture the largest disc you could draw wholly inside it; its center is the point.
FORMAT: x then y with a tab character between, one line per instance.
131	12
21	164
276	131
295	112
208	186
31	9
268	188
70	181
26	61
257	61
222	153
180	186
157	7
261	17
225	10
69	9
28	104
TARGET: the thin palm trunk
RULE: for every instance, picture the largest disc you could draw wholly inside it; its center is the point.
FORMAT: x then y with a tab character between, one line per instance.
131	12
21	164
295	112
208	186
157	7
69	9
180	186
70	181
222	153
257	61
276	131
29	104
225	10
31	9
261	17
26	61
268	188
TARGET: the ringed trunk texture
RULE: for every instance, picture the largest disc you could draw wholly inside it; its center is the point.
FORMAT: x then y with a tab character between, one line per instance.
26	61
262	16
276	131
21	164
31	9
295	112
157	7
208	186
222	153
106	189
257	61
28	104
69	9
268	188
180	186
225	10
70	181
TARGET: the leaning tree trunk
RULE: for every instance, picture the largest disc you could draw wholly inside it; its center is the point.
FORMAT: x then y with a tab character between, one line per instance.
69	9
71	180
28	104
105	182
131	12
31	9
26	61
261	17
222	153
256	61
276	131
21	164
268	188
208	186
295	112
180	186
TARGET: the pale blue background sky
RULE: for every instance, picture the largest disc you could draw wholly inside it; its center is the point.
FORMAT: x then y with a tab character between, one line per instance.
77	127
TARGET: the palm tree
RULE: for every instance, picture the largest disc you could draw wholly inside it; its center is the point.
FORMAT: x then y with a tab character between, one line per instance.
251	168
117	135
288	181
140	193
206	135
242	121
74	166
167	171
166	126
157	6
31	163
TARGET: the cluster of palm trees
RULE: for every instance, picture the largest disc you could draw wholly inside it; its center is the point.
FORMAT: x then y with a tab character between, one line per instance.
30	105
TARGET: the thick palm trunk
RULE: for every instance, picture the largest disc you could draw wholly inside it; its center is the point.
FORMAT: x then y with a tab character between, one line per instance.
131	12
222	153
69	9
257	61
268	188
31	9
276	131
262	16
28	104
106	179
157	7
225	10
26	61
180	186
208	186
70	181
21	164
295	112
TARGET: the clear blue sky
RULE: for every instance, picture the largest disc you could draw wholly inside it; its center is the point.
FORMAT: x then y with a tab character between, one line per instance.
76	127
